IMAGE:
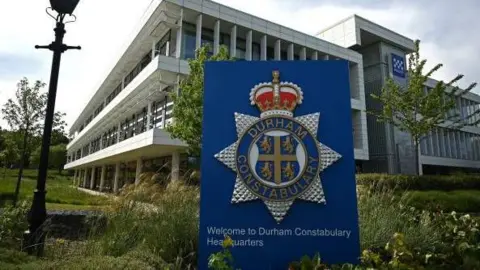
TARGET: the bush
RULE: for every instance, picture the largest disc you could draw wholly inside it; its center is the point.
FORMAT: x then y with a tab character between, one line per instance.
13	222
420	182
168	226
11	257
381	214
466	201
461	250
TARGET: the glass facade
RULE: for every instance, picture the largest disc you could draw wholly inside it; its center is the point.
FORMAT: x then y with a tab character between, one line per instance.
449	143
161	47
130	126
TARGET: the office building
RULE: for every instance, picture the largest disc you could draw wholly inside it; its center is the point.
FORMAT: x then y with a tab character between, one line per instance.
121	131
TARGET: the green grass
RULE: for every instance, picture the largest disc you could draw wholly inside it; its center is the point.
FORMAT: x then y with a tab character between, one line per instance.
59	190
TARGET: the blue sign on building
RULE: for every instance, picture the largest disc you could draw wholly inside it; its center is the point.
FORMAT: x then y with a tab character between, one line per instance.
278	173
398	66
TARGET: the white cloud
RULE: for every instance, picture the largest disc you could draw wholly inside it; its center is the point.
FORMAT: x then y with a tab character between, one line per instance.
100	27
103	26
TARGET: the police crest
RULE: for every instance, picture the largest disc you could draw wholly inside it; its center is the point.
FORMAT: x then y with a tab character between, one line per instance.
277	157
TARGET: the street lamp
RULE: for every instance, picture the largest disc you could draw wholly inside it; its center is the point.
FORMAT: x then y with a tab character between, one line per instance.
34	237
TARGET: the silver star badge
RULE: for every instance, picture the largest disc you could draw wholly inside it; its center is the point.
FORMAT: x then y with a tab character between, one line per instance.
312	191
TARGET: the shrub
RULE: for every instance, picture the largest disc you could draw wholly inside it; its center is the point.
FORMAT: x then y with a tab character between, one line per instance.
422	182
11	257
168	226
382	214
459	200
462	250
13	222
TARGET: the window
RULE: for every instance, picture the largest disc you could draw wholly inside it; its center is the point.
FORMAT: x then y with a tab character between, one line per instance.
161	46
453	145
189	42
146	60
270	53
435	143
423	146
441	140
428	137
225	40
255	51
241	48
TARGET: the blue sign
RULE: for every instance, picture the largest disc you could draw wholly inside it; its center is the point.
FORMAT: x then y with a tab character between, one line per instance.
278	173
398	66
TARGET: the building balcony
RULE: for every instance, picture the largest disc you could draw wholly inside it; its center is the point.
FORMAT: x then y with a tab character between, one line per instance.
147	85
152	143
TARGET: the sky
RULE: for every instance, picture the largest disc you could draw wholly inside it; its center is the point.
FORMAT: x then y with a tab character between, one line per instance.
448	32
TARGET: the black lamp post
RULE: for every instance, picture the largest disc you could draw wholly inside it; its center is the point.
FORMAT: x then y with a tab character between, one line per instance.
35	237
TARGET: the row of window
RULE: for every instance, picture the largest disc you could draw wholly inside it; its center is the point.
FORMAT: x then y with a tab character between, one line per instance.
166	46
131	126
189	44
465	109
161	47
448	143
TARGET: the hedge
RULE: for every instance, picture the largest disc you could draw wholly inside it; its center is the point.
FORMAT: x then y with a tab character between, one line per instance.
422	182
464	201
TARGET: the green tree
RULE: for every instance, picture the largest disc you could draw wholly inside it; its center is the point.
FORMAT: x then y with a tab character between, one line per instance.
25	115
414	110
57	157
188	105
10	153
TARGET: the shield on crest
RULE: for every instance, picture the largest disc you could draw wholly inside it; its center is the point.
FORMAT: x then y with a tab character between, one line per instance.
278	158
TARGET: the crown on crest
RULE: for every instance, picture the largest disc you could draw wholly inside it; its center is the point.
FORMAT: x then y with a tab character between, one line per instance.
276	97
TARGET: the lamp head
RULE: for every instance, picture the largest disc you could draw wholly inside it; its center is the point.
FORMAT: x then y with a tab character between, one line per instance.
64	6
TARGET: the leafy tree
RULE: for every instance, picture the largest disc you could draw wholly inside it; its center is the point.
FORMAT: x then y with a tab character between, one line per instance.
188	106
59	135
414	110
25	114
10	153
57	157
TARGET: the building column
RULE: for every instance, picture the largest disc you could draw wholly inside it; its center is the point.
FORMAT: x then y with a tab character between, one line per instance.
248	51
101	142
92	179
326	57
102	177
303	53
118	132
138	171
233	41
178	48
198	37
149	115
278	49
290	52
116	177
85	178
315	55
216	37
74	177
154	43
164	113
263	48
175	166
77	178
